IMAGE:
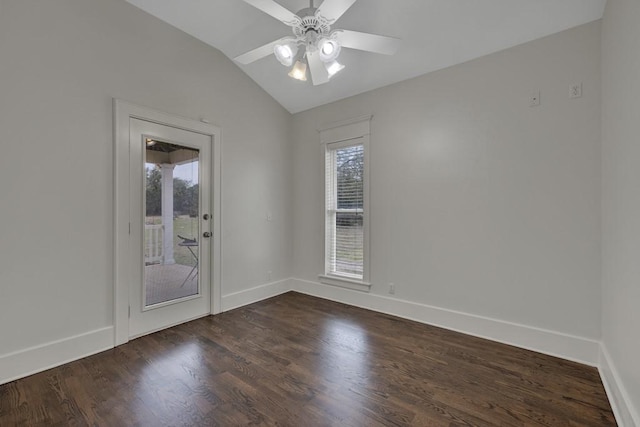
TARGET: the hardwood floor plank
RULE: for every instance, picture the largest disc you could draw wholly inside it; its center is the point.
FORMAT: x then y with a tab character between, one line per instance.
296	360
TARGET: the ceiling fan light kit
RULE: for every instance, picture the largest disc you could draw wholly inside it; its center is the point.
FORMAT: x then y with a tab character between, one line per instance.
329	49
299	71
286	52
319	46
333	68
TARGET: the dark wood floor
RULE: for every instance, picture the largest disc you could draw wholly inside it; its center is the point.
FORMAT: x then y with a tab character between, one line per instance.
301	361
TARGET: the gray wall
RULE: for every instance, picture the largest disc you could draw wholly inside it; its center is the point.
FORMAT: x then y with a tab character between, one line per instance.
621	197
479	203
61	62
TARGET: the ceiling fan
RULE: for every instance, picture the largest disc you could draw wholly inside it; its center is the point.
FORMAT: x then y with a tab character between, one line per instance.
314	40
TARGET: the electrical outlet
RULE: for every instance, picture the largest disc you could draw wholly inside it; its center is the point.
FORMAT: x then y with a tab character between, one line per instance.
392	288
575	90
534	98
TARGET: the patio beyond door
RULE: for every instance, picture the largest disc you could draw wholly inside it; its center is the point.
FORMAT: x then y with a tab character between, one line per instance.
171	226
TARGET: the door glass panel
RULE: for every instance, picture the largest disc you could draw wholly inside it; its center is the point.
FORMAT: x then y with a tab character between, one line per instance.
171	226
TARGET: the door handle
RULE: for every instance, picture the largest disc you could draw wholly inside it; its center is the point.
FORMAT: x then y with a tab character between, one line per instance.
206	234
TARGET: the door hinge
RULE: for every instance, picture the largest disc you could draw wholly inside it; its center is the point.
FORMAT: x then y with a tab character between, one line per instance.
129	312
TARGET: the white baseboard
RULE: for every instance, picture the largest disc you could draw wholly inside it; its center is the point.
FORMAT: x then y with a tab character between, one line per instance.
22	363
626	415
578	349
32	360
249	296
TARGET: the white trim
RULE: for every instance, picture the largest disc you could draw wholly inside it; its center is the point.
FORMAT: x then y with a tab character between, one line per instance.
347	122
558	344
122	112
346	129
169	325
162	304
22	363
258	293
570	347
344	282
216	244
344	143
622	405
339	135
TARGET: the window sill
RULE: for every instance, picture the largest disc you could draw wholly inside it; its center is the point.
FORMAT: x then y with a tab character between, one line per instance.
344	282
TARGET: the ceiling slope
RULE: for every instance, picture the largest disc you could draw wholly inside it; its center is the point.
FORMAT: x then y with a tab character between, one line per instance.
435	34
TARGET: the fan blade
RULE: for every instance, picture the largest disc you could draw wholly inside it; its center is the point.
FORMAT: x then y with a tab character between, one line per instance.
319	74
258	53
332	10
272	8
369	42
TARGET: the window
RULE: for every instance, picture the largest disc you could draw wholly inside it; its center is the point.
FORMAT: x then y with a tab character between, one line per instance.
344	216
346	207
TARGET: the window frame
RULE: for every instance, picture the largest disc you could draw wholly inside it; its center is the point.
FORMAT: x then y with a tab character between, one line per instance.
332	137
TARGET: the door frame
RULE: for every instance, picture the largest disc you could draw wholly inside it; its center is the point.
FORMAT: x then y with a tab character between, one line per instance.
123	112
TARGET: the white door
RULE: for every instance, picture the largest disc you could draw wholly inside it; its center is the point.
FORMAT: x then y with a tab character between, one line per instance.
171	224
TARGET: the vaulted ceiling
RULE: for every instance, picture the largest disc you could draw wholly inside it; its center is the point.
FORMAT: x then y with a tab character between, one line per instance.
435	34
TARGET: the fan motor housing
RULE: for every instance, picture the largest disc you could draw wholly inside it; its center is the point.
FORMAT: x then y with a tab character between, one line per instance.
309	21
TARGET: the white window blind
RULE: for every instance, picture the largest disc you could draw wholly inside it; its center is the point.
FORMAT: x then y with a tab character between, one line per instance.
345	189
